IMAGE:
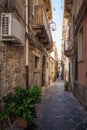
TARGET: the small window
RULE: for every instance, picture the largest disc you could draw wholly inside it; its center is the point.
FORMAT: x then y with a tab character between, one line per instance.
80	44
36	61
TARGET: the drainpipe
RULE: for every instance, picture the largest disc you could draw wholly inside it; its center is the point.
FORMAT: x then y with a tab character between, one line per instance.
27	46
9	6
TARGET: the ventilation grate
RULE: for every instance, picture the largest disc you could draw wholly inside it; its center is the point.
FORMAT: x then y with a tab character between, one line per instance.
6	24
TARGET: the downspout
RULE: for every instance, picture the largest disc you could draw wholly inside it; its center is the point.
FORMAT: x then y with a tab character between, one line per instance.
9	6
26	47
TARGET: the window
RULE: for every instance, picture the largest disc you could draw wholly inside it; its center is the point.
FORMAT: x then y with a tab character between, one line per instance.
36	61
80	44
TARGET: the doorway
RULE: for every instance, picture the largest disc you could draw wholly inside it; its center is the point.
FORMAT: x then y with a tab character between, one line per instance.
43	70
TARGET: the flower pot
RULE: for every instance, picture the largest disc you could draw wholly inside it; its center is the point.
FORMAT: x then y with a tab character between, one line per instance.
21	122
66	88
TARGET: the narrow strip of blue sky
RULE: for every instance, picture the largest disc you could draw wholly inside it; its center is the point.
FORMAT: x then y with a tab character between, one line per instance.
57	8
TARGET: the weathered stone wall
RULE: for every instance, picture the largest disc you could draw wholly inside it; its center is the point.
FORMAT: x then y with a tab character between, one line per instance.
20	6
2	69
80	92
15	66
12	67
52	70
40	75
35	74
48	70
13	5
12	57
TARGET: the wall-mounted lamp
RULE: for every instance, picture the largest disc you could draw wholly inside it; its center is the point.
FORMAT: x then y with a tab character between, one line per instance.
52	26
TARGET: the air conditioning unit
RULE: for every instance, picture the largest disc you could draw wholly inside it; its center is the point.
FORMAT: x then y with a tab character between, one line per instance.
11	29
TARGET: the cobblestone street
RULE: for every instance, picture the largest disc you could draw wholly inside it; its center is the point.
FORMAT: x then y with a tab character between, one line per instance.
60	110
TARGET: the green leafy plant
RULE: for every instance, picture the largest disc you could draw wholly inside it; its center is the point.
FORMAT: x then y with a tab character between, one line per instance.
66	85
8	106
21	103
35	94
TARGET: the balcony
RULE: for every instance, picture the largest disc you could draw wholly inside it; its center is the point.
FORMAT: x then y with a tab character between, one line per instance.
67	8
40	24
67	48
48	5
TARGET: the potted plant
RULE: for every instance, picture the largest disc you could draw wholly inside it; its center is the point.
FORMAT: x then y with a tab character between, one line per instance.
66	85
21	104
7	109
35	93
32	98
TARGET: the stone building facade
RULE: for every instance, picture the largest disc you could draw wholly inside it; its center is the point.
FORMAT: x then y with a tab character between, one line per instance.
13	51
65	60
40	42
12	54
53	64
76	14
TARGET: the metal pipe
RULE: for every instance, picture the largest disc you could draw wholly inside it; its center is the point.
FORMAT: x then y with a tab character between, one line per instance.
27	47
27	51
9	6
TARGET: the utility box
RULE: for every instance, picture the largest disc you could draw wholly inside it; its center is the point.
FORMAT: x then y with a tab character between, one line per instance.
11	29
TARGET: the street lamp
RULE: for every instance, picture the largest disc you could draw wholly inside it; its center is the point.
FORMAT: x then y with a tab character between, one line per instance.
52	26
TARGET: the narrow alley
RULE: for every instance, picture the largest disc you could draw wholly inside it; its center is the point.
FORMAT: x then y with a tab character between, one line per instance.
41	41
60	110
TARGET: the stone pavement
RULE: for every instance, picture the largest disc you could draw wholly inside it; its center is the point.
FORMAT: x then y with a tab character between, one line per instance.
60	110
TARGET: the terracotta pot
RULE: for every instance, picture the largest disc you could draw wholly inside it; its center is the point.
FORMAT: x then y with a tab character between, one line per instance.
21	122
67	88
